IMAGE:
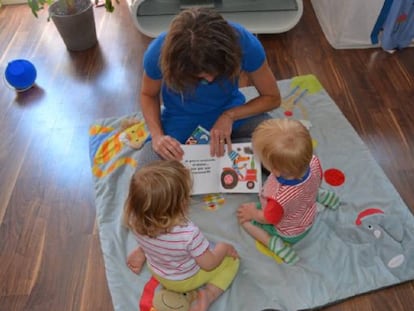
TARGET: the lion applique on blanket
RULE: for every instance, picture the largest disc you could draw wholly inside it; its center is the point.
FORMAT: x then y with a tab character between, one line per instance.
107	143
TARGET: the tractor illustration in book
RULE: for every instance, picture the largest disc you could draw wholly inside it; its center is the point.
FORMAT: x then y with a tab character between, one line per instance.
242	170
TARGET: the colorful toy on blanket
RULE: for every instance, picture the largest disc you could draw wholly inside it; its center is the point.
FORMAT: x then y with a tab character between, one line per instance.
110	142
145	302
213	201
164	300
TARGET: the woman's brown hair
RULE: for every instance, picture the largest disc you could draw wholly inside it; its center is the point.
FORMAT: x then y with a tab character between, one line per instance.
159	194
199	41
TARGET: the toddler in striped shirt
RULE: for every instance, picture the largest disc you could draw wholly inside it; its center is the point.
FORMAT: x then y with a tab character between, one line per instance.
288	200
175	250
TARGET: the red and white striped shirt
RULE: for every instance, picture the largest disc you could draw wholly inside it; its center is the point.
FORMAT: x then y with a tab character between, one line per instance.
298	201
171	255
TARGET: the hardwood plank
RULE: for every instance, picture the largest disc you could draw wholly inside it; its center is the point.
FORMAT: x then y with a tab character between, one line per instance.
95	295
22	266
16	142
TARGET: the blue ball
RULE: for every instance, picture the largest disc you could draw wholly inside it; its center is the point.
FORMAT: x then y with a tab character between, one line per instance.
20	74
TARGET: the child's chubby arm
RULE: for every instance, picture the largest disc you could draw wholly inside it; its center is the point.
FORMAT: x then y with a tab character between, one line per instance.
211	259
249	211
271	214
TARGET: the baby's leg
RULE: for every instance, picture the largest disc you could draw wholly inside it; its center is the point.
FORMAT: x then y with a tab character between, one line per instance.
206	296
256	232
274	243
328	199
217	281
135	260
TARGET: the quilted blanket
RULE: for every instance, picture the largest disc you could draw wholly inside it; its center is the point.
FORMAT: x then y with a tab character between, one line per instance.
364	245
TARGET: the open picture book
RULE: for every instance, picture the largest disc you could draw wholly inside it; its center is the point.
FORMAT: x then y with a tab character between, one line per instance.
238	171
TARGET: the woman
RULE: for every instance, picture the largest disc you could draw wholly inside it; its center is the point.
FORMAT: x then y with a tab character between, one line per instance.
193	69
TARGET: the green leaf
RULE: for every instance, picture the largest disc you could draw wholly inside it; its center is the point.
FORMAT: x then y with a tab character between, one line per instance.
109	6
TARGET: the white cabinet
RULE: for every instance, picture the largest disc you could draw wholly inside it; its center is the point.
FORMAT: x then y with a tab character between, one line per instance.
152	17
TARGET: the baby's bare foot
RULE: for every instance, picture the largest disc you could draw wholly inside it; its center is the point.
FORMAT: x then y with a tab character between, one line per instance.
206	297
201	303
135	260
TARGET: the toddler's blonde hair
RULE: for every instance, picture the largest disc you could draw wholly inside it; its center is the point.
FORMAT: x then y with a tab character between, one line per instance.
284	145
158	199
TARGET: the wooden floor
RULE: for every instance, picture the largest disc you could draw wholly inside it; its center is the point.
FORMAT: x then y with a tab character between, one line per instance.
50	257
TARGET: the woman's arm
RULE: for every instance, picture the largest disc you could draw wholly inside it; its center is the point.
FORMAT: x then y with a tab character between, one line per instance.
269	96
167	147
151	104
268	99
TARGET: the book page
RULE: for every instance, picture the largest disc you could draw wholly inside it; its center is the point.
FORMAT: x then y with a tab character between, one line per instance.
236	172
204	168
240	170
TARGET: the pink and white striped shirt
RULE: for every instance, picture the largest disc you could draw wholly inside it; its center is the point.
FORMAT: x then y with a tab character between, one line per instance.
171	255
298	201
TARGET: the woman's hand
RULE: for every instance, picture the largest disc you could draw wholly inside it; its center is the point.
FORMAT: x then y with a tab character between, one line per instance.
167	147
220	134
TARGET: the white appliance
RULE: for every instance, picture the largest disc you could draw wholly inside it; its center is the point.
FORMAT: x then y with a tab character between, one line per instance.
152	17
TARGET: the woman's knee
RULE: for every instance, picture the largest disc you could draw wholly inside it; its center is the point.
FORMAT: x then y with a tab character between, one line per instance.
245	131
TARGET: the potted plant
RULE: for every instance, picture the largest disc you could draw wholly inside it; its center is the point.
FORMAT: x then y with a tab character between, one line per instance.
74	20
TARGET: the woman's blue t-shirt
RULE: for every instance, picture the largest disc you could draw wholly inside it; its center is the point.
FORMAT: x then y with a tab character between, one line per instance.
183	112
